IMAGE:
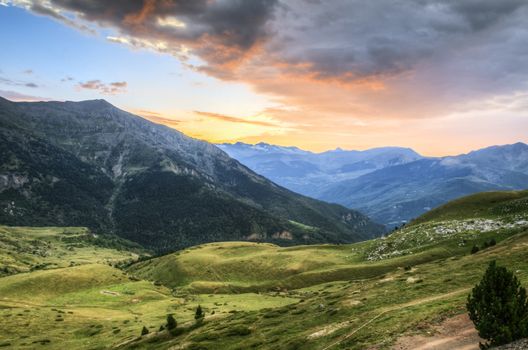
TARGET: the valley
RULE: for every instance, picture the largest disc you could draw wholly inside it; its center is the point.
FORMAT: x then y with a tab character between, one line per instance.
93	165
258	295
263	175
392	185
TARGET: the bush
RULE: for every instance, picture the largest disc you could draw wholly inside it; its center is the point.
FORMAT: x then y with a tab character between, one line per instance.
498	307
144	331
199	314
475	249
490	243
171	322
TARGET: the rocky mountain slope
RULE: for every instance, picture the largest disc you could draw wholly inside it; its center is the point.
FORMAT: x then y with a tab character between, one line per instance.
392	185
91	164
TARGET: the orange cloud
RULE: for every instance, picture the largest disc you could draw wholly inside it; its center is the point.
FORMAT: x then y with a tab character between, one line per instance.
157	118
235	119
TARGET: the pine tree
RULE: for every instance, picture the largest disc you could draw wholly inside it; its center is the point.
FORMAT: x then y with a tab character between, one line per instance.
171	322
144	331
199	315
498	307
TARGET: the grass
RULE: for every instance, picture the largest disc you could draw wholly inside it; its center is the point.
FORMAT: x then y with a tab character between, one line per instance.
255	295
336	309
24	249
482	205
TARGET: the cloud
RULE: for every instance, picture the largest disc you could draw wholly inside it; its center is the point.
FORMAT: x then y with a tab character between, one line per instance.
28	71
219	32
17	97
231	119
114	88
40	8
8	81
377	45
365	66
158	118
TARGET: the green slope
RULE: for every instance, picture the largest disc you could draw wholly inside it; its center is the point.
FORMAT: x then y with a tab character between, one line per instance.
24	249
262	296
481	205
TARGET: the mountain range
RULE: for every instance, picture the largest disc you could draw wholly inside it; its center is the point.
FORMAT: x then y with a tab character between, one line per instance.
91	164
392	185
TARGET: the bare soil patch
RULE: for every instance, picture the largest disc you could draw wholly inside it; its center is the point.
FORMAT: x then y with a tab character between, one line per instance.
455	333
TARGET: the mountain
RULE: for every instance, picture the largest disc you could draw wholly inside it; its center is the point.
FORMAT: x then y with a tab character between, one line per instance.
397	194
311	173
391	185
90	164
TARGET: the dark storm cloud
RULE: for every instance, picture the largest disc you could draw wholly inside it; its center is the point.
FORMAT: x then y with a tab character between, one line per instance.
218	31
472	42
481	14
358	39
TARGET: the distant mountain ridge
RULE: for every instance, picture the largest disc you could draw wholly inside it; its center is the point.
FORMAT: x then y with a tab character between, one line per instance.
90	164
392	185
310	173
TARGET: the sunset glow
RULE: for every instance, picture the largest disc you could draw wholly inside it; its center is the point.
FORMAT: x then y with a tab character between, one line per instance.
431	75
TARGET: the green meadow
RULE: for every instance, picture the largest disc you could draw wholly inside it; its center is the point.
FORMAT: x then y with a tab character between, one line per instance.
64	289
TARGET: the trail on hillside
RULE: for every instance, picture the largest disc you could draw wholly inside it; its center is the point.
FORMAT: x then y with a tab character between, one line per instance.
454	333
396	308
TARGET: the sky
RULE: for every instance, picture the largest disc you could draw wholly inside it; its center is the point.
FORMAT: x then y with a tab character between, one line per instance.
441	77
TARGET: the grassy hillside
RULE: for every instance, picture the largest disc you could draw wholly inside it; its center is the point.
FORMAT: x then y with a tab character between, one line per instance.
481	205
24	249
259	295
63	292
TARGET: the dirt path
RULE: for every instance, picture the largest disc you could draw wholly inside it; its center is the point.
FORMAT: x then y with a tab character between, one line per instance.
399	307
455	333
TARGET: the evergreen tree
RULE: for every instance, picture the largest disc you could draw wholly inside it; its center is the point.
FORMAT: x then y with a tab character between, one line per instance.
144	331
498	307
199	315
171	322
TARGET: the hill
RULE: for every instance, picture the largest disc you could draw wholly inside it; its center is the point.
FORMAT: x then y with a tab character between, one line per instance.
392	185
353	296
25	249
91	164
481	205
239	266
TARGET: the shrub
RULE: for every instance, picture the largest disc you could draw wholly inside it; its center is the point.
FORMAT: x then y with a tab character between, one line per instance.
475	249
498	307
171	322
199	314
144	331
